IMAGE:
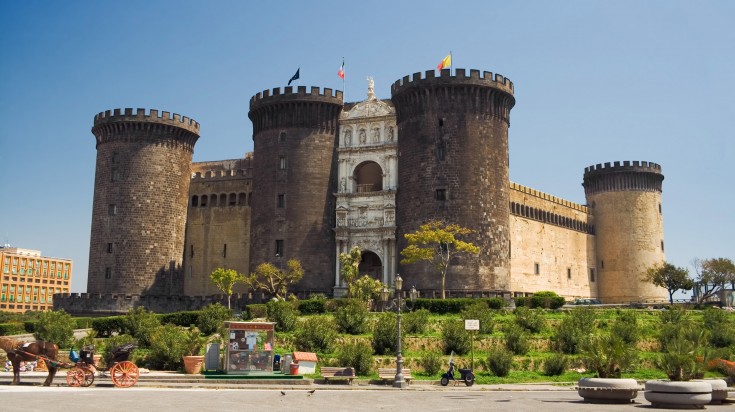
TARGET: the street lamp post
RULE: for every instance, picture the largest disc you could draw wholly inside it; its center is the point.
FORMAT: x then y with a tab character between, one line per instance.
399	382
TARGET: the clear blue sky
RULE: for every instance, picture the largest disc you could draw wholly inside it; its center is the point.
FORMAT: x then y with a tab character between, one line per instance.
595	81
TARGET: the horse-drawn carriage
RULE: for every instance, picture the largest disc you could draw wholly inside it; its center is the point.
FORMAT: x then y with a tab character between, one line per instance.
123	373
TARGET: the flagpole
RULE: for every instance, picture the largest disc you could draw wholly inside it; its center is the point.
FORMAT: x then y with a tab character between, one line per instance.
344	76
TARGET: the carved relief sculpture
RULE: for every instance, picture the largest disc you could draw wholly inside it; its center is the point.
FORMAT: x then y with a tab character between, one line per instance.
348	137
376	135
363	136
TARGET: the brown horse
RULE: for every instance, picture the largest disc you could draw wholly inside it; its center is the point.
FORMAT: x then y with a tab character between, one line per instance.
31	351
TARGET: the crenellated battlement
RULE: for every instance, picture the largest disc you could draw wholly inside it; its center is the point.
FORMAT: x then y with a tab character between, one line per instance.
537	193
476	77
315	94
150	116
638	166
622	176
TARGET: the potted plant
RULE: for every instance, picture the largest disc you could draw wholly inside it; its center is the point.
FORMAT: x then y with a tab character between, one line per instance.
683	358
608	355
194	344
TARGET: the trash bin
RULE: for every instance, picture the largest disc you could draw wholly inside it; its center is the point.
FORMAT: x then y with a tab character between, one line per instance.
294	368
285	363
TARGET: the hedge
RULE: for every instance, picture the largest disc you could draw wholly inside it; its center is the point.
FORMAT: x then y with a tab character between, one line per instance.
14	328
312	306
106	327
185	319
453	305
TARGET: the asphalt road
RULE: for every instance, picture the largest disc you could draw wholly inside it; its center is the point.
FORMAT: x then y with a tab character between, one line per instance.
30	398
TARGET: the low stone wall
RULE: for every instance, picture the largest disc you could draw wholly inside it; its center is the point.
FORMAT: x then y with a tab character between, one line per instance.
98	304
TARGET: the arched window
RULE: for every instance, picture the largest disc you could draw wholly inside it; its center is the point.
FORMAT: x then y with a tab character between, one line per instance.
214	201
233	199
222	199
195	201
369	177
204	201
241	199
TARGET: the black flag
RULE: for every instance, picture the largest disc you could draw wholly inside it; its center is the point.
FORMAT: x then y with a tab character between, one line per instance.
295	76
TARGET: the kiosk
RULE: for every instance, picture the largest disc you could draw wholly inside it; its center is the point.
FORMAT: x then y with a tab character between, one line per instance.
249	347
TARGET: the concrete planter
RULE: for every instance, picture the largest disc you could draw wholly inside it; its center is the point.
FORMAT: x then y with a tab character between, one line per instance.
608	390
678	395
719	390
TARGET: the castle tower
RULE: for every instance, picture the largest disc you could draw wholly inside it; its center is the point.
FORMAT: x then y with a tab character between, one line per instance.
453	166
141	190
294	178
625	201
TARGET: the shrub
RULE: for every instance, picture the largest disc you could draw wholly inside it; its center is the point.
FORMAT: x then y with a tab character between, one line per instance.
626	327
415	322
555	365
358	355
547	300
351	317
529	319
112	343
56	327
316	334
168	345
256	311
312	306
686	354
516	339
455	338
211	319
573	330
522	301
284	314
385	334
139	323
495	303
481	312
608	355
500	361
15	328
717	321
431	362
109	326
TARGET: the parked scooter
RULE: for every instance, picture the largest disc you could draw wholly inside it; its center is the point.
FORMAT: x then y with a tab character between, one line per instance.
465	375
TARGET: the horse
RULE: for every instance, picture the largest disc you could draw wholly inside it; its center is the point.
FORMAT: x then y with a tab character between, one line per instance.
28	352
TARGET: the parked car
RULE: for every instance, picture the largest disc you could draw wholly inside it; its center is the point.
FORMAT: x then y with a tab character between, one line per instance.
587	301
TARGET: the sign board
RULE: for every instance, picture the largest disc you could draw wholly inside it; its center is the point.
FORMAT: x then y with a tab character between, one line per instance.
472	324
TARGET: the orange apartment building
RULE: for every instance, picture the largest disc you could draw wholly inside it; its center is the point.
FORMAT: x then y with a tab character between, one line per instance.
30	280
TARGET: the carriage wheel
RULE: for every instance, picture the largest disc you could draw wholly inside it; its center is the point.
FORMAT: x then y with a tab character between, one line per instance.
75	377
88	377
124	374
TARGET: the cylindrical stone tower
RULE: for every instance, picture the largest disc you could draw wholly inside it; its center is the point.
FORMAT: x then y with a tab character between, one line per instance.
141	190
625	201
294	177
453	166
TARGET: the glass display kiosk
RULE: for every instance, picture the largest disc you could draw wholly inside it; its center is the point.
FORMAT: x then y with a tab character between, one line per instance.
249	347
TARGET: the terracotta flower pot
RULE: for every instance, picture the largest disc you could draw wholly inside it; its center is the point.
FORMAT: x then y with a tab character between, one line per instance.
193	364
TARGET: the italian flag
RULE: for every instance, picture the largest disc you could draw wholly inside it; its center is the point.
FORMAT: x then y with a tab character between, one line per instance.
341	72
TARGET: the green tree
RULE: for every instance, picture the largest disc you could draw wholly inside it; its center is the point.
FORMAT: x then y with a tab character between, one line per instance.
437	242
140	324
273	280
670	277
225	280
350	263
712	276
56	327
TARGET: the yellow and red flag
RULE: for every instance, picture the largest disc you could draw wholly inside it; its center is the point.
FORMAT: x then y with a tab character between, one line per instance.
446	62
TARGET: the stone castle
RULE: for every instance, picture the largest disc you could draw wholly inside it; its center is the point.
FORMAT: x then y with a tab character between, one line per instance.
326	175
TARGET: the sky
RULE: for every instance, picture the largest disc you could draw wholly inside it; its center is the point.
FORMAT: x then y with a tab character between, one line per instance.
595	82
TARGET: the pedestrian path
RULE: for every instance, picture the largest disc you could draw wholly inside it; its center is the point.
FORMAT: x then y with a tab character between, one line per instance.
164	379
